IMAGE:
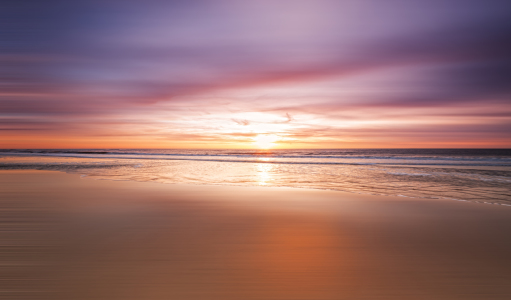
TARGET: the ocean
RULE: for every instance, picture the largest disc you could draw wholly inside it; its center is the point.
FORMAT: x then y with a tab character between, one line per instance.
477	175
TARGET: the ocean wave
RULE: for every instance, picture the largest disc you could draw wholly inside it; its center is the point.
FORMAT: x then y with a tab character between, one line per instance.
289	157
256	160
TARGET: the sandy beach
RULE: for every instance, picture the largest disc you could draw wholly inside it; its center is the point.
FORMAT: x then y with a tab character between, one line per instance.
66	237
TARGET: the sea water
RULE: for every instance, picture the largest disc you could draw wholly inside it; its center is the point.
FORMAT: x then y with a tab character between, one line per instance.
479	175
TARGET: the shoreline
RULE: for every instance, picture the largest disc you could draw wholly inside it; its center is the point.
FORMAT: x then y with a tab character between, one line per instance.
407	173
191	185
105	239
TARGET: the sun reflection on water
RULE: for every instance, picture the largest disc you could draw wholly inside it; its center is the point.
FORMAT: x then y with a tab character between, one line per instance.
264	172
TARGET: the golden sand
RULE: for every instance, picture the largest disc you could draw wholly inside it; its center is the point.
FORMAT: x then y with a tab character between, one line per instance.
64	237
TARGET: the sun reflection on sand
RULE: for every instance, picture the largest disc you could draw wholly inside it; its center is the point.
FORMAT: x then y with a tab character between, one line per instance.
296	258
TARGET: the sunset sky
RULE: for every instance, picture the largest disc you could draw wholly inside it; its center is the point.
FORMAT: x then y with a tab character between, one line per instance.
230	74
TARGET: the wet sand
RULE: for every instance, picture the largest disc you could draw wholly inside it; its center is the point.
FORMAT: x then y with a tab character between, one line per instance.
66	237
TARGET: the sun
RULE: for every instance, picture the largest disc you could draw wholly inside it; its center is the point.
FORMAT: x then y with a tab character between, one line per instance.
265	141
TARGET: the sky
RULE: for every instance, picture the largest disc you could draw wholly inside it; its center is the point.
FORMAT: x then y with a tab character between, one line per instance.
249	74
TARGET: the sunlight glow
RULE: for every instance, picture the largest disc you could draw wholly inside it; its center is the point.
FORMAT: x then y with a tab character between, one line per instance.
266	141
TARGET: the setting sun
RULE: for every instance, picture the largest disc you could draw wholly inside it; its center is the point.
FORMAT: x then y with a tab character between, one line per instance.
265	141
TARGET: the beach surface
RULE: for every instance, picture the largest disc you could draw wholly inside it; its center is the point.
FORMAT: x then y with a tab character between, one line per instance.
66	237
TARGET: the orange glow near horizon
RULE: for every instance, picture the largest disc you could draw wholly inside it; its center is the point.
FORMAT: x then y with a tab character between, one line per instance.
236	127
151	142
